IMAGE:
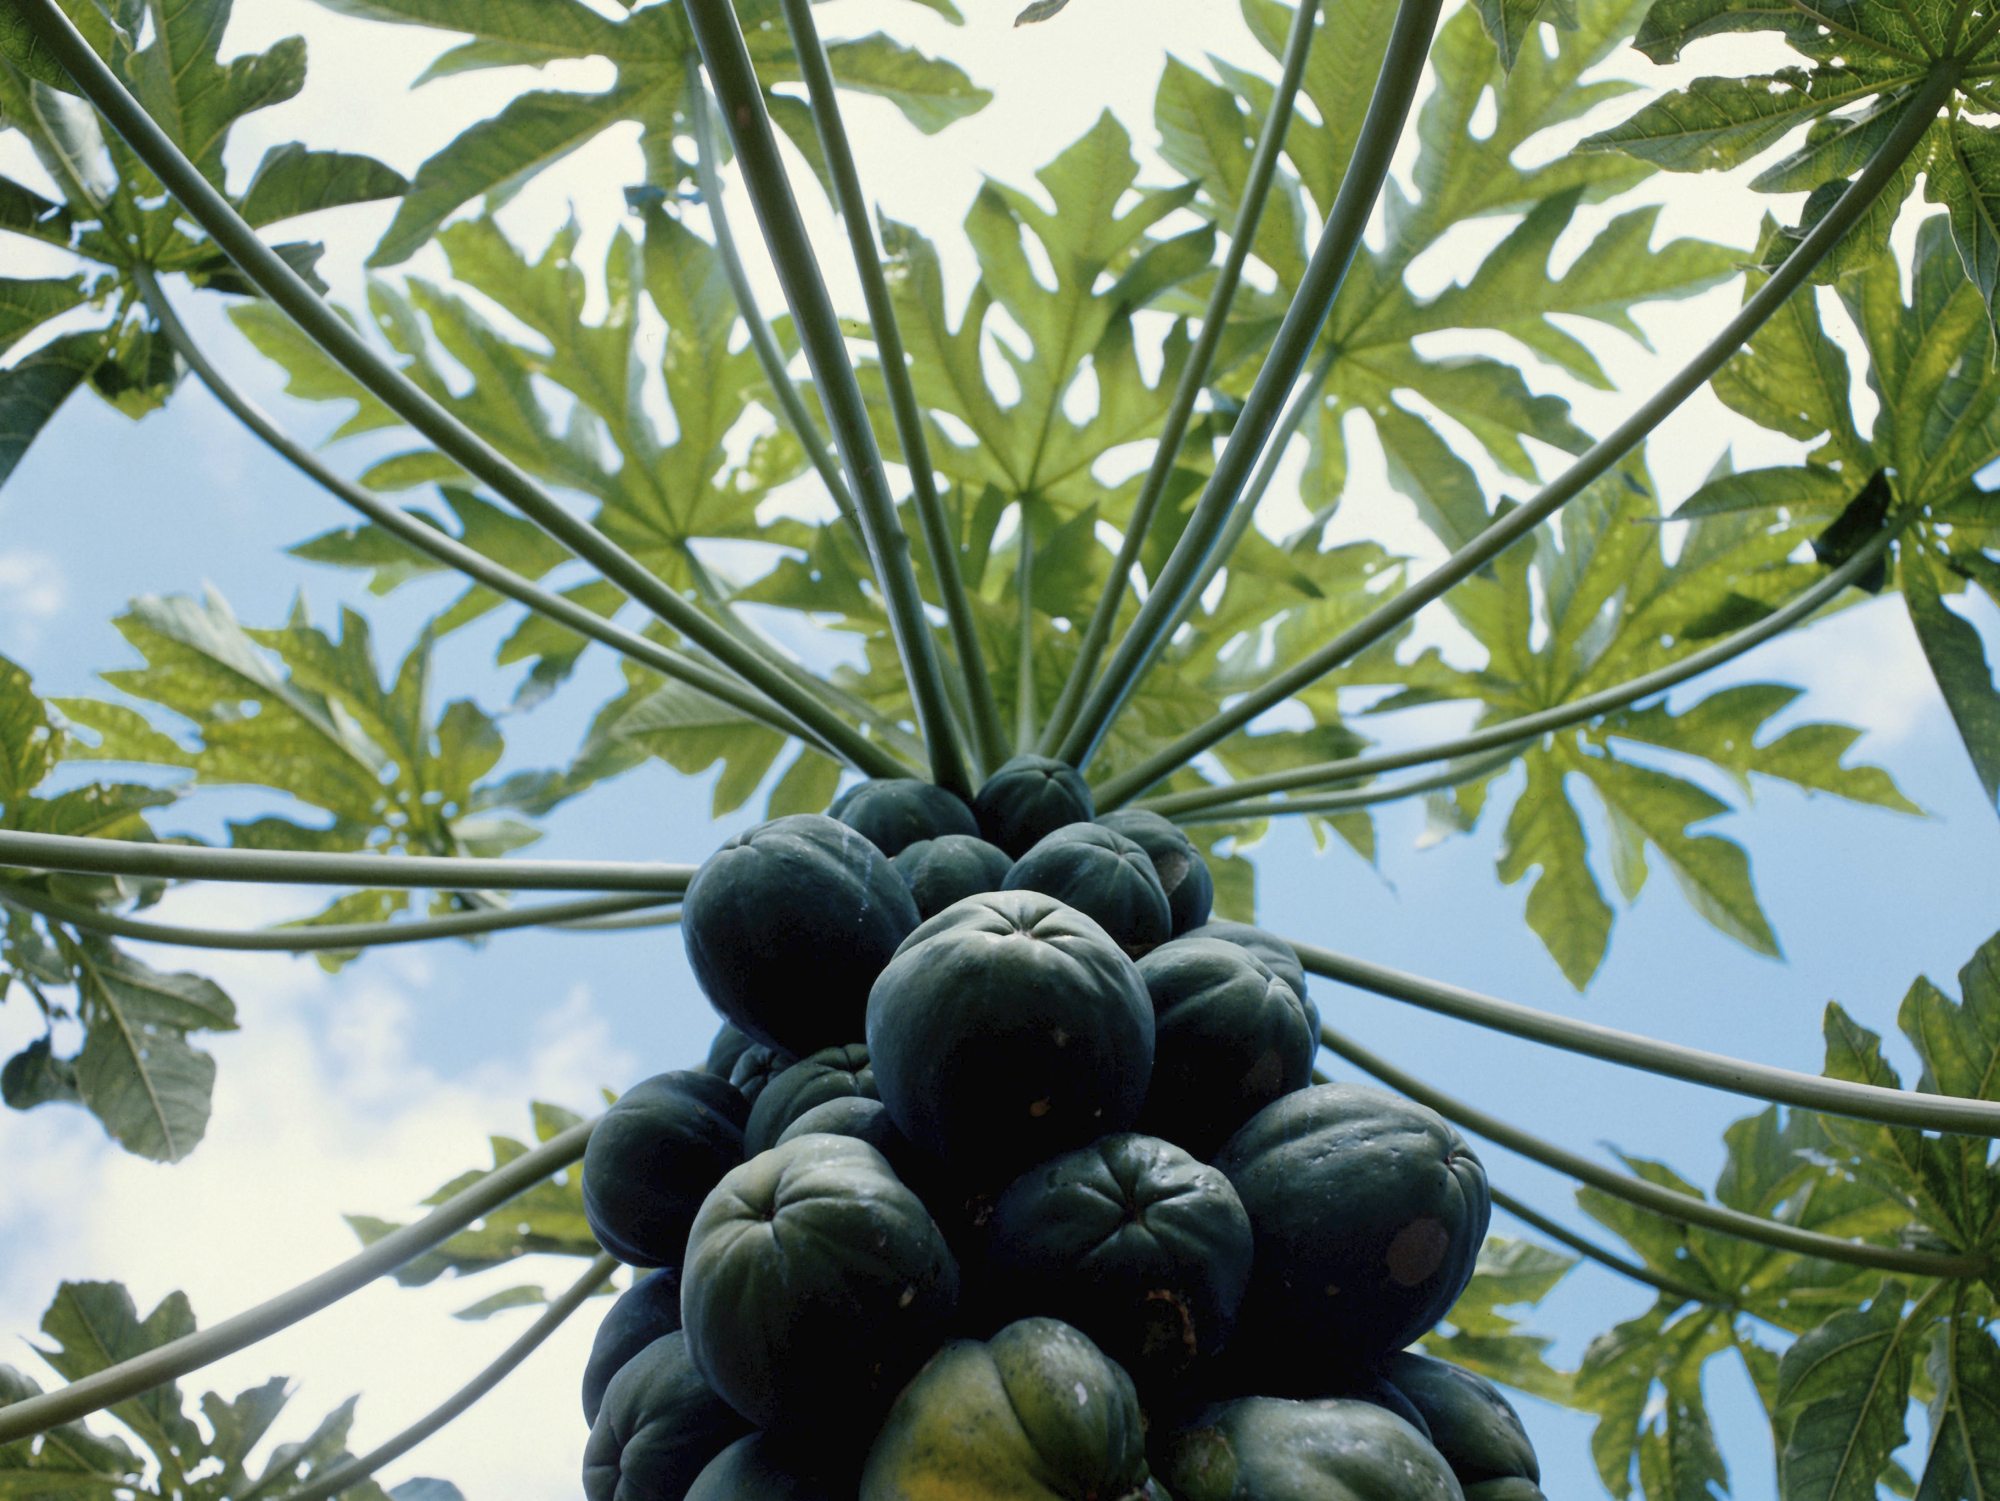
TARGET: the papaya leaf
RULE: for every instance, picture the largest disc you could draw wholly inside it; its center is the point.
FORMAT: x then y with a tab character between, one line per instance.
1958	662
1844	1387
1964	1369
548	1219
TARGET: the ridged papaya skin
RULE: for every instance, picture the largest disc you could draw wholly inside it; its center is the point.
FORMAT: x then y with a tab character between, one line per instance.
788	924
1229	1037
1271	1449
754	1069
658	1426
815	1284
1103	875
829	1074
1037	1413
1007	1029
764	1468
654	1157
867	1119
1369	1212
893	813
730	1044
649	1309
1184	875
1273	950
1028	798
1133	1242
949	869
1473	1426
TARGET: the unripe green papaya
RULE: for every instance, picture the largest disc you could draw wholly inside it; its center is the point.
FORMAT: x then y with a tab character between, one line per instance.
1229	1037
788	924
829	1074
1027	798
943	871
1103	875
893	813
764	1467
1369	1211
652	1160
1037	1413
1473	1426
1273	950
815	1283
1270	1449
658	1425
649	1309
1184	875
1133	1242
1007	1029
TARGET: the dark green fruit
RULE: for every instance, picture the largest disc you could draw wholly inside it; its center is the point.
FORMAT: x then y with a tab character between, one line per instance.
730	1044
1273	950
1229	1037
1184	875
1007	1029
1103	875
1369	1212
815	1284
1473	1426
763	1467
867	1119
830	1074
788	924
1135	1243
658	1426
654	1157
950	869
1037	1413
648	1310
1027	799
755	1067
895	812
1268	1449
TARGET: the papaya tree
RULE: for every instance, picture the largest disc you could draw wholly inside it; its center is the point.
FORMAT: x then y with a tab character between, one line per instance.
1060	559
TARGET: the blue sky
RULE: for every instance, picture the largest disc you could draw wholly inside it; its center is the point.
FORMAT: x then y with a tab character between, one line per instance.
361	1092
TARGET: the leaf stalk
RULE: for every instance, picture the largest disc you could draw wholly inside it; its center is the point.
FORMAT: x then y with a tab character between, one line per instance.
727	58
1194	375
988	742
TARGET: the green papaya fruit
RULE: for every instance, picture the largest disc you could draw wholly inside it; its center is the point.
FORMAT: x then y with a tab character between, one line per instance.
1271	1449
1229	1037
1007	1029
1037	1413
652	1160
730	1044
1102	874
1273	950
949	869
649	1309
1028	798
788	924
755	1067
895	812
1133	1242
1473	1426
866	1118
764	1467
660	1423
1184	875
815	1283
1369	1212
829	1074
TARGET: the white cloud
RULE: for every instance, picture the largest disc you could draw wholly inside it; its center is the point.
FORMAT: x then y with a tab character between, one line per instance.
33	591
321	1107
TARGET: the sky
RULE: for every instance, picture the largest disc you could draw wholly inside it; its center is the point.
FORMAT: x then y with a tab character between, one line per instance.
361	1092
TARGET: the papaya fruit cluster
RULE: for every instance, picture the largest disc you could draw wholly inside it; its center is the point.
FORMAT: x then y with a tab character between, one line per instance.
1006	1180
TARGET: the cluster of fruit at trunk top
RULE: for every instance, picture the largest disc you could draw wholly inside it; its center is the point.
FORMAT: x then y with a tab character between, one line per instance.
1006	1178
